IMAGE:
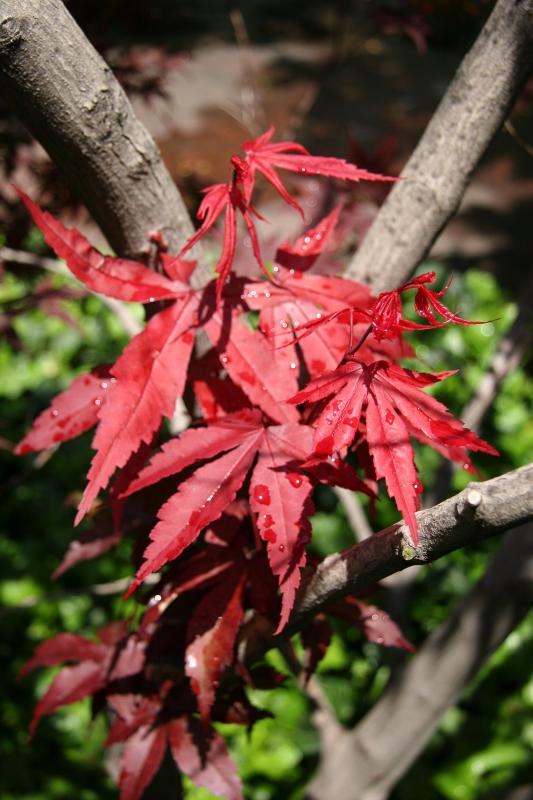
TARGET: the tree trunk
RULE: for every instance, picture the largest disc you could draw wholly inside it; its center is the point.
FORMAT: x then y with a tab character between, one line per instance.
71	102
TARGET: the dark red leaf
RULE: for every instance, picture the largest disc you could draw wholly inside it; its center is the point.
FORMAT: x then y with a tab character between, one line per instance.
316	638
140	760
69	686
280	501
375	623
211	634
88	545
61	648
202	756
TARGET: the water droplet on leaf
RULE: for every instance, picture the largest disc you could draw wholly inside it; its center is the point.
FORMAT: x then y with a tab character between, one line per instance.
261	494
294	479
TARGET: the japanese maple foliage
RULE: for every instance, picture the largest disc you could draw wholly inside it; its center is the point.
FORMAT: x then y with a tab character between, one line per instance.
295	381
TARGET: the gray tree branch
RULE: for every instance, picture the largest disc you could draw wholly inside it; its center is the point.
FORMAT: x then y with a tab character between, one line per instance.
472	110
69	99
479	511
367	762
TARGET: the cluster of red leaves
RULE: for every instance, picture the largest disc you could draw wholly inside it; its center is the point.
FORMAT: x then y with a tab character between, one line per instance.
242	474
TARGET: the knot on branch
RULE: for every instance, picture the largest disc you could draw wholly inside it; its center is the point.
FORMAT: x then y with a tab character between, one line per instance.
468	502
10	33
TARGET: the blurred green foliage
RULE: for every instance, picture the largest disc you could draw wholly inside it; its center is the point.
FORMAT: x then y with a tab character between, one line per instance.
483	743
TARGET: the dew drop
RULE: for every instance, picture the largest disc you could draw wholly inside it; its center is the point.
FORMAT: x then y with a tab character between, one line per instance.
267	295
113	380
418	488
151	299
267	520
55	412
275	268
104	384
98	401
153	601
284	324
281	548
389	417
261	494
294	479
225	359
318	315
293	365
374	617
191	661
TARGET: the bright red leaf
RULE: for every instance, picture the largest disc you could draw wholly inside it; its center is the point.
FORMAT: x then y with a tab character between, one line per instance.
394	408
150	376
71	413
116	277
279	496
266	157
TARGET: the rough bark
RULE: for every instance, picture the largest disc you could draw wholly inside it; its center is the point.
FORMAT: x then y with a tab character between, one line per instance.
479	511
367	763
70	101
435	177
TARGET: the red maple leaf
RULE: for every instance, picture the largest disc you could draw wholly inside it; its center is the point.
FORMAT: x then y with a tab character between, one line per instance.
71	413
394	409
226	198
266	157
375	623
310	245
199	752
115	656
279	497
299	302
211	636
